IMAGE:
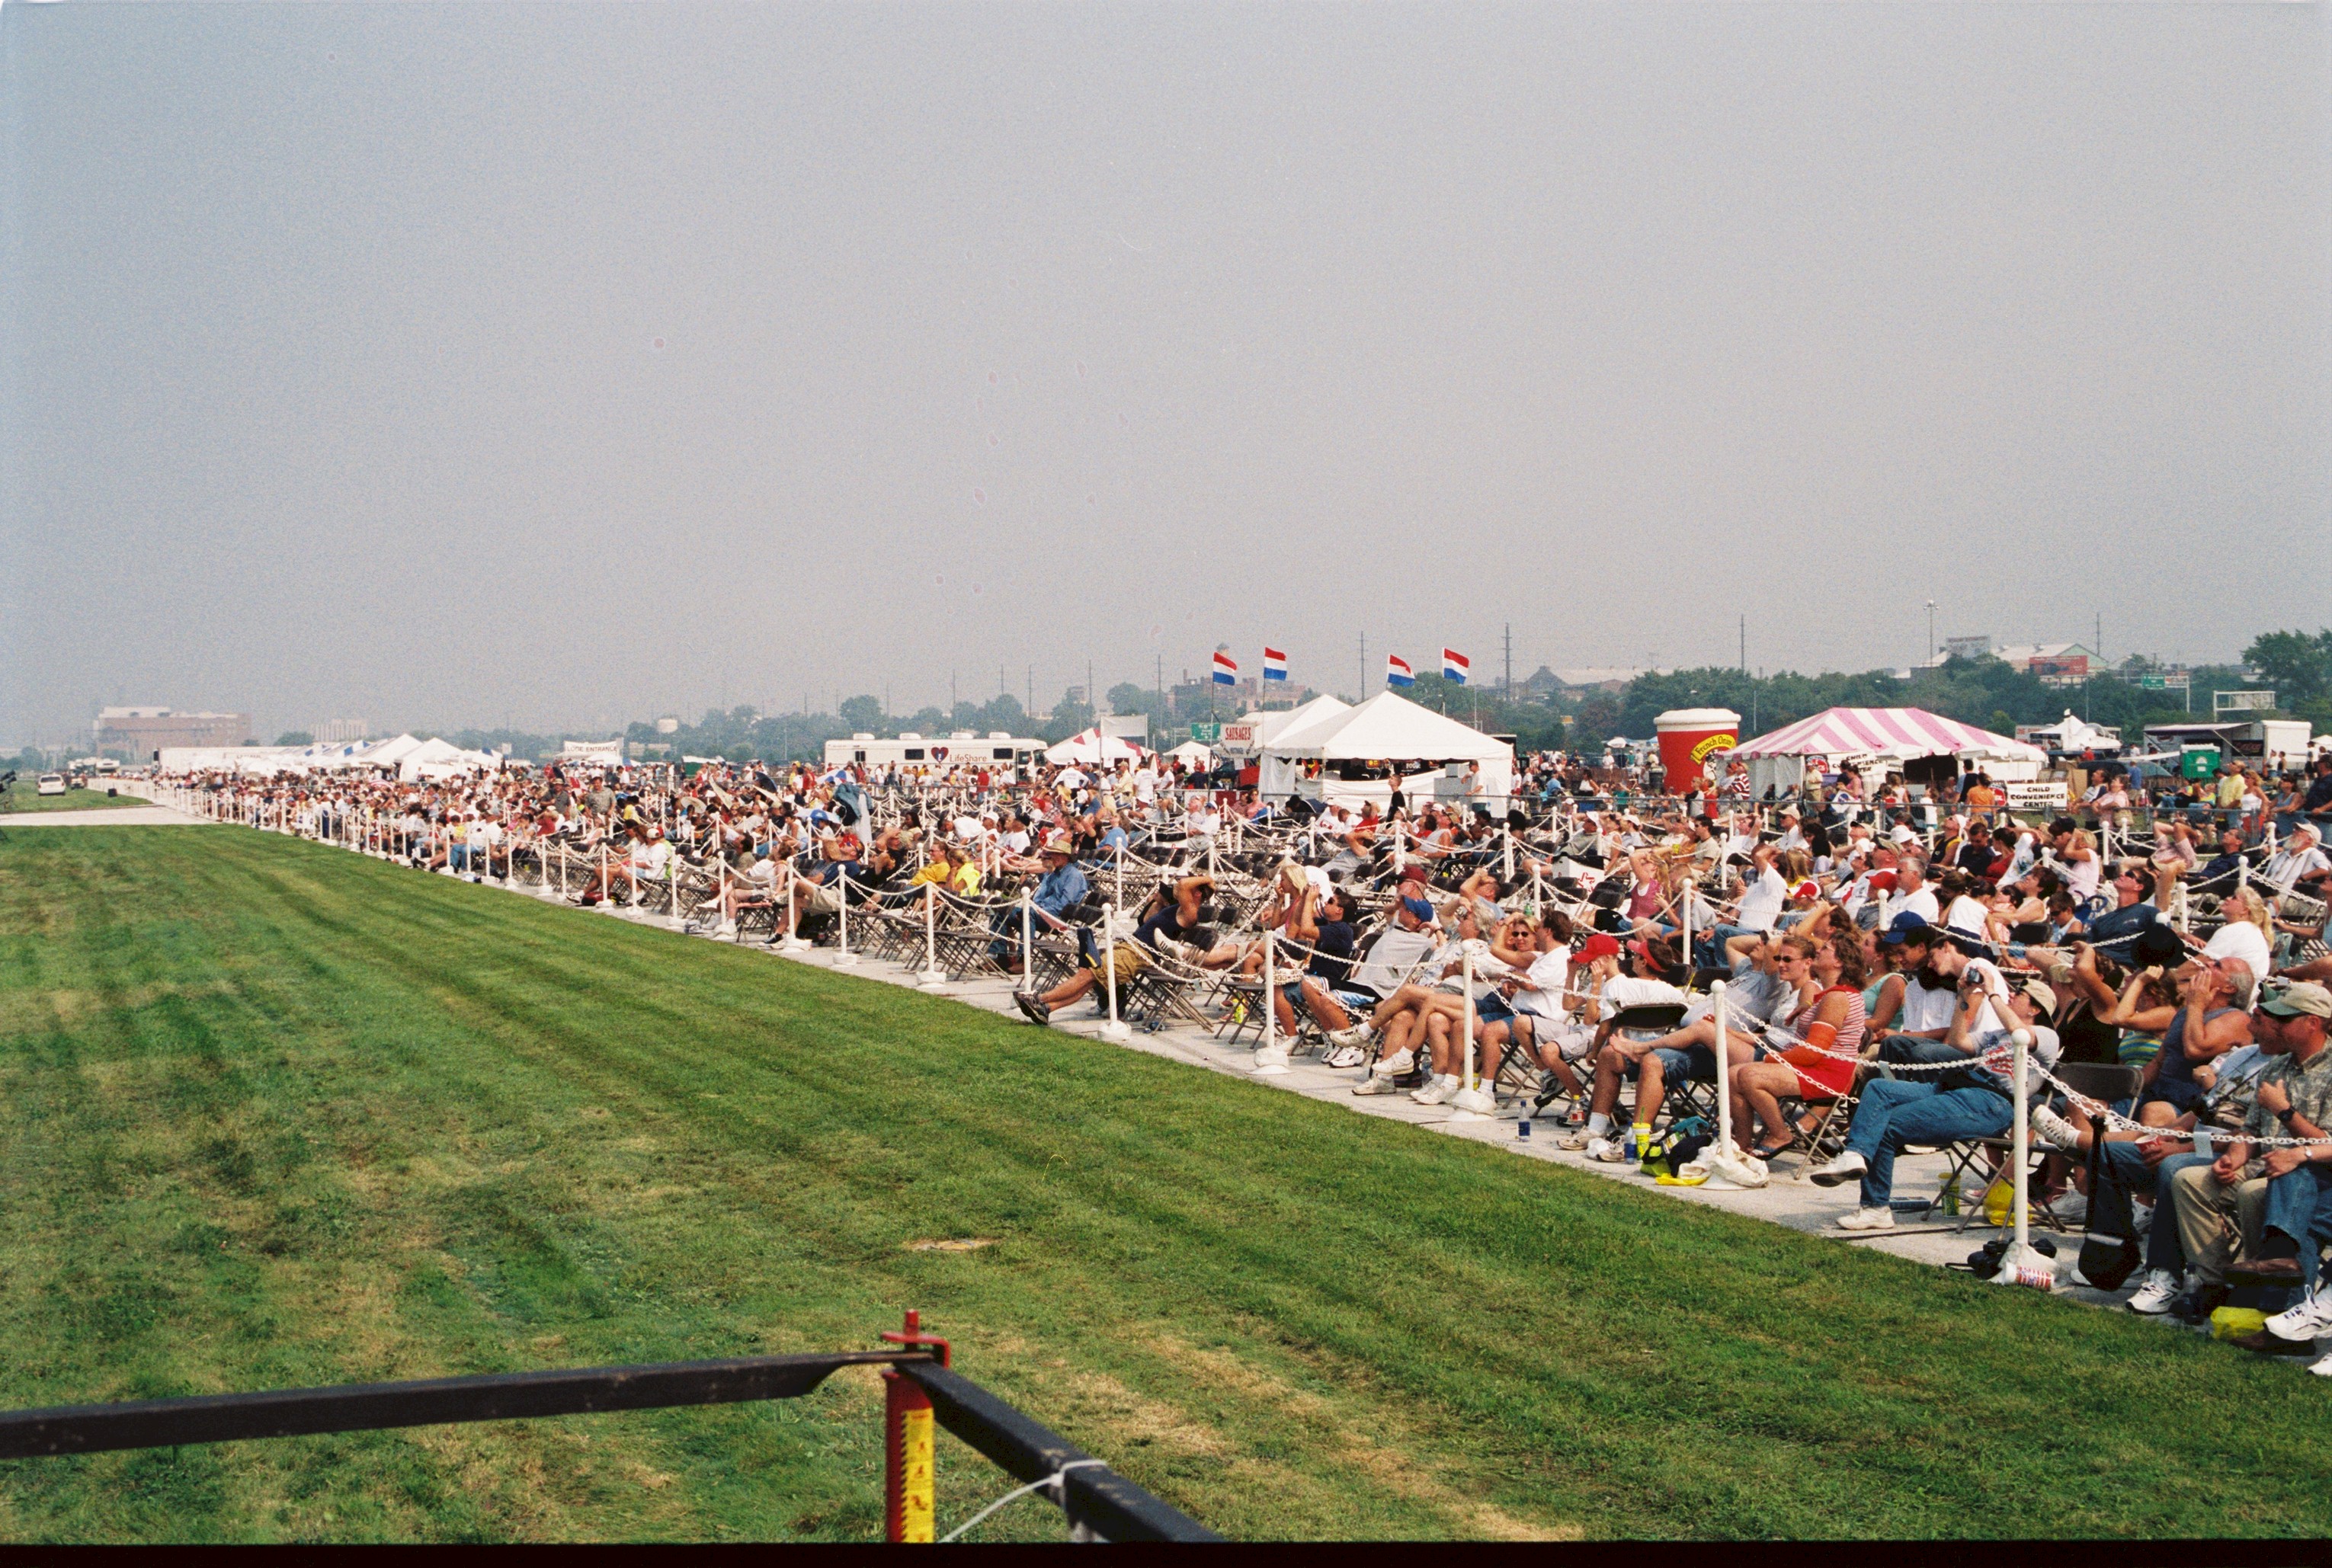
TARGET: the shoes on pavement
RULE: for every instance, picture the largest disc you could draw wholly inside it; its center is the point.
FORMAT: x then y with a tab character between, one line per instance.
1376	1083
1607	1151
2155	1296
1032	1006
1440	1089
1358	1035
2310	1318
1400	1062
1346	1055
1868	1219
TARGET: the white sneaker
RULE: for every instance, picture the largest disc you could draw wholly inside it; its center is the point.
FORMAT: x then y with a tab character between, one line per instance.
1376	1083
1439	1090
2323	1368
2154	1297
2310	1318
1400	1062
725	930
1868	1219
1346	1056
1358	1035
1845	1167
2055	1131
1609	1151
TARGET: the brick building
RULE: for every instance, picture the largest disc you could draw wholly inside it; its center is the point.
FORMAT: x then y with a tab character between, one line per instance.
136	734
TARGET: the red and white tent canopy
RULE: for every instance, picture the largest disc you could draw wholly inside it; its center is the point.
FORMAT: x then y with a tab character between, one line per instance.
1886	732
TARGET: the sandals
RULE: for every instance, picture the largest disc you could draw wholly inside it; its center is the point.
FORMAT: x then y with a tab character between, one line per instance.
1032	1006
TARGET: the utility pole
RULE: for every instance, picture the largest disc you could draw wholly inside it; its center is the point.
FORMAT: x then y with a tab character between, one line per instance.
1931	631
2098	638
1032	689
1093	698
1509	688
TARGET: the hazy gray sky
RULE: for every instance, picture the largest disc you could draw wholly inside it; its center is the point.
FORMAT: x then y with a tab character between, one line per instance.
440	365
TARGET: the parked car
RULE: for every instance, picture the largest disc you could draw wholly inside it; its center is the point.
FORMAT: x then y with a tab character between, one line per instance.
52	784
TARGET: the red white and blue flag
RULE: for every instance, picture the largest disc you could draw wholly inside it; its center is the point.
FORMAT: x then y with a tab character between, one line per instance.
1274	665
1226	669
1455	666
1398	673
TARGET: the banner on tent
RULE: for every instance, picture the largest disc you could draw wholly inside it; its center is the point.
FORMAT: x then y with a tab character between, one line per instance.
2035	797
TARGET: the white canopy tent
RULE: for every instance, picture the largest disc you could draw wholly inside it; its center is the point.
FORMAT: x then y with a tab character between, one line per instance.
1387	728
2071	734
1191	754
1271	726
1091	747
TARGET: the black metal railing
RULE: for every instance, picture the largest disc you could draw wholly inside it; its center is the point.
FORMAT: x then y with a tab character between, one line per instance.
1104	1503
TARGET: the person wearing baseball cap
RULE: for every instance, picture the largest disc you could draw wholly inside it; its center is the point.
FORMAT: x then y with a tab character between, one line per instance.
2269	1198
1062	888
1977	1101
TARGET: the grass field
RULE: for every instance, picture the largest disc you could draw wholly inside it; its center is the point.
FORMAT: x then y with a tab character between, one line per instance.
25	796
271	1114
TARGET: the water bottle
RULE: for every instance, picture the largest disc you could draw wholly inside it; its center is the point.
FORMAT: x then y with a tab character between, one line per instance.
1522	1128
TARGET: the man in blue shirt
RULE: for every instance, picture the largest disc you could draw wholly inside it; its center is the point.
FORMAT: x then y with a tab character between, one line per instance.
1061	889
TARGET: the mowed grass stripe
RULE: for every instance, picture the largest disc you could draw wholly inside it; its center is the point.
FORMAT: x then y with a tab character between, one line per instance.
339	1120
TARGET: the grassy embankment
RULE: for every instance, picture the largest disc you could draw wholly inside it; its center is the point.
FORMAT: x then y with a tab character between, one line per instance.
271	1116
23	795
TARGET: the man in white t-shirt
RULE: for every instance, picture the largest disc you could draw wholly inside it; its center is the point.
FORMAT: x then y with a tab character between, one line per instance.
1911	893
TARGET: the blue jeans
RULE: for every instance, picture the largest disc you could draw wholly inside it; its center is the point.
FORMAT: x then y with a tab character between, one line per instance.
2299	1206
1892	1113
1912	1048
1708	946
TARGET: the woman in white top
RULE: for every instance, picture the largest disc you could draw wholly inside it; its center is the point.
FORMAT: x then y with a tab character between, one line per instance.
2248	933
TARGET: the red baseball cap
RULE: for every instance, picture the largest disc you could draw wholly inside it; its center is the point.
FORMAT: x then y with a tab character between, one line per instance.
1603	944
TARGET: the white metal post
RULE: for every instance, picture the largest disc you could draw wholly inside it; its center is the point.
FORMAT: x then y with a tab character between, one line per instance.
2022	1265
1724	1016
933	978
1027	940
1115	1028
1270	1057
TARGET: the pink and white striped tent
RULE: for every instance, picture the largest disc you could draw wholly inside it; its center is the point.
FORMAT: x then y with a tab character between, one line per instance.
1886	732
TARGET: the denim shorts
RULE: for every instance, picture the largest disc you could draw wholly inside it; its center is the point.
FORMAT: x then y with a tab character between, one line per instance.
1691	1062
1493	1009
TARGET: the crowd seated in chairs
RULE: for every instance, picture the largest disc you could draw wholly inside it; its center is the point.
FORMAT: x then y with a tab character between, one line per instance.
1877	957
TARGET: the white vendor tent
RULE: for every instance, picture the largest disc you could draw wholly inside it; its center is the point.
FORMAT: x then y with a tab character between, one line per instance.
1191	754
2071	734
1388	728
1092	747
1892	735
1269	727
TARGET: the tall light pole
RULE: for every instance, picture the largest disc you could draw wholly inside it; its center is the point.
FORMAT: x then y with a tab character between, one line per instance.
1931	631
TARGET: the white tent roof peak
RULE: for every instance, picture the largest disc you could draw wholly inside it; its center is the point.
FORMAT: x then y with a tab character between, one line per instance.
1390	726
1273	726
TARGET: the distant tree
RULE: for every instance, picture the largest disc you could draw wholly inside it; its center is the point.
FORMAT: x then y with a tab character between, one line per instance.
862	714
295	738
2299	666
